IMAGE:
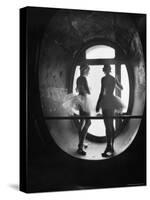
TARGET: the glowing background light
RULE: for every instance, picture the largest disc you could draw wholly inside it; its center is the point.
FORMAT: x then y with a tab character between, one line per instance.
125	84
100	52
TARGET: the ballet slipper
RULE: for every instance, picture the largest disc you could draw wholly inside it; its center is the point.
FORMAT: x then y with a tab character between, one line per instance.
81	152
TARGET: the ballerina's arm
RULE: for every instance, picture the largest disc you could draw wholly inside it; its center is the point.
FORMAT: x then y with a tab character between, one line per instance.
118	84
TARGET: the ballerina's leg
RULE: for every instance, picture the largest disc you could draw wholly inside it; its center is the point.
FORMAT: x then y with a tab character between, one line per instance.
109	131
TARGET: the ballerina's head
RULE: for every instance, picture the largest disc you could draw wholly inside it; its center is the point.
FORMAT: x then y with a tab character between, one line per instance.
106	69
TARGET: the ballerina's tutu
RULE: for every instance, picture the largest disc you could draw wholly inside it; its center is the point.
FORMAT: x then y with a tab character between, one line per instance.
85	103
73	103
111	102
70	103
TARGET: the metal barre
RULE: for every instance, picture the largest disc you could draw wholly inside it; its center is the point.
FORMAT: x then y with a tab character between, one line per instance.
95	117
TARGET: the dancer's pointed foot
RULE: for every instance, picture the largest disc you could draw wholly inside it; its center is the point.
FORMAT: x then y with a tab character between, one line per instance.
109	151
81	152
107	154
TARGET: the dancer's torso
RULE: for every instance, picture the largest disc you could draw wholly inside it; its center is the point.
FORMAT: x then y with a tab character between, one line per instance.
82	86
108	84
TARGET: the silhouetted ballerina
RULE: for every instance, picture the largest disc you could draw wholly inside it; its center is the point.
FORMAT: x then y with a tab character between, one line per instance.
109	105
84	106
80	105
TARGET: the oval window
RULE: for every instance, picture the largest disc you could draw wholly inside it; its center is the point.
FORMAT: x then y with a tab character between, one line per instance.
54	81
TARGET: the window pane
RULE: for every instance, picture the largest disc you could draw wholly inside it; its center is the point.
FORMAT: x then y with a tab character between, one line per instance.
100	52
125	84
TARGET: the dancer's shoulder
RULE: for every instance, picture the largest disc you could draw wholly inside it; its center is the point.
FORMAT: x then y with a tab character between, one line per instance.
81	78
108	78
112	78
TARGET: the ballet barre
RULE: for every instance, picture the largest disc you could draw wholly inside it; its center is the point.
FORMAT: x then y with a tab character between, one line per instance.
95	117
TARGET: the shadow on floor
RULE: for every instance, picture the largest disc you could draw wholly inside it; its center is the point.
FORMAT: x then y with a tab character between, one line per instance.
14	186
